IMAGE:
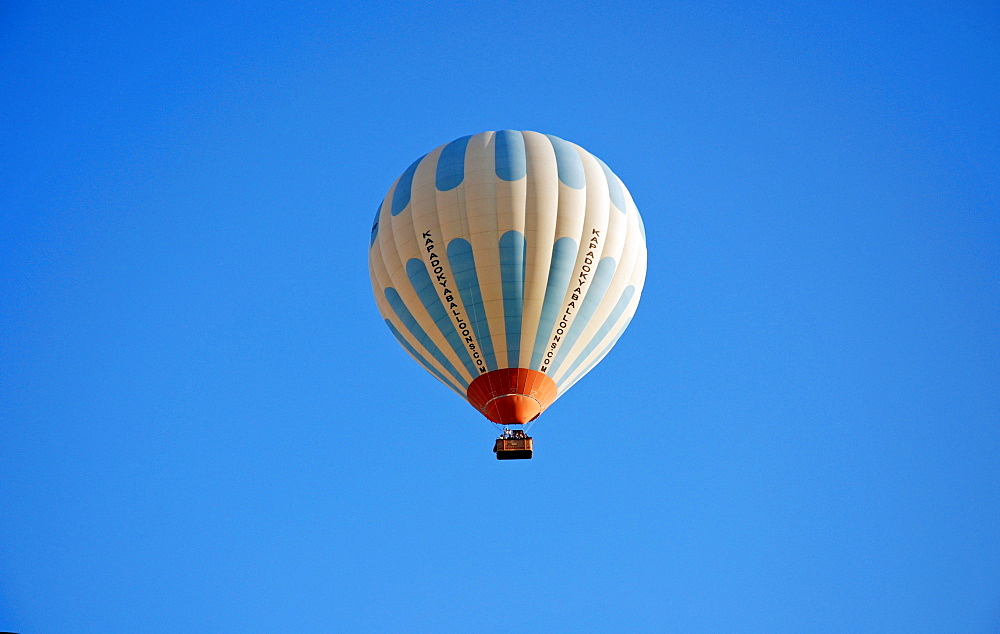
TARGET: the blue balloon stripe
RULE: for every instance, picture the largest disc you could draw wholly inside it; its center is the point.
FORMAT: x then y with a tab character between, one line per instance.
451	164
416	270
510	159
463	266
598	288
609	323
408	320
614	187
401	195
421	359
564	254
375	225
513	253
569	163
605	350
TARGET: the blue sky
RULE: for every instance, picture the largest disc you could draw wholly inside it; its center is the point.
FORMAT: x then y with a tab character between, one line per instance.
205	425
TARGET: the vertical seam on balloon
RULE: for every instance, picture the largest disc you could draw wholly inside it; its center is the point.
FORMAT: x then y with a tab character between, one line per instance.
470	306
512	289
484	344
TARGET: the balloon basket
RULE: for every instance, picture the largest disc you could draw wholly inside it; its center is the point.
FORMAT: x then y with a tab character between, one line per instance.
513	446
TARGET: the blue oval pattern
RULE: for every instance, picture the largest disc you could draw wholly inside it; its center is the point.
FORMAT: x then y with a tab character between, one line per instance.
451	164
375	225
569	162
401	195
614	187
511	162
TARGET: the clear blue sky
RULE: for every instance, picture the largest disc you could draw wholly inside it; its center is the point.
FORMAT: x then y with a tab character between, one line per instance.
205	425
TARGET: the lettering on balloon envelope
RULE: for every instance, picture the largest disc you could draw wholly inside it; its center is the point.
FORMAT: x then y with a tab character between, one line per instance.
448	297
567	316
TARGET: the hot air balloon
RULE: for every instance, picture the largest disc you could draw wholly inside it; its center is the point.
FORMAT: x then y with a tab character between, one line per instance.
507	264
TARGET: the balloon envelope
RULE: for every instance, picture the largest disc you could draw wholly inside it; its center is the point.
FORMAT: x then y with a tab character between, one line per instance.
507	264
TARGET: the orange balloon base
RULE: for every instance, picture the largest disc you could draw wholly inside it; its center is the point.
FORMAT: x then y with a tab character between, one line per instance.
512	396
